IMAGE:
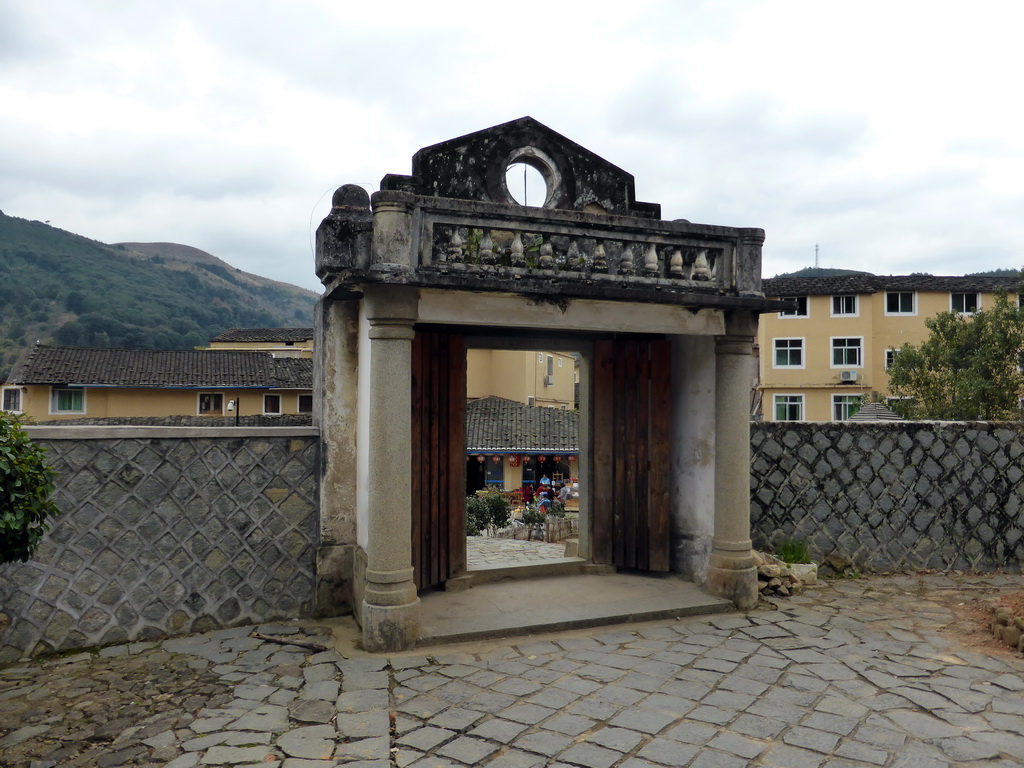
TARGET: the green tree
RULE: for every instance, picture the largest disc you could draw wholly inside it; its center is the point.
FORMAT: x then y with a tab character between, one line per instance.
968	368
26	484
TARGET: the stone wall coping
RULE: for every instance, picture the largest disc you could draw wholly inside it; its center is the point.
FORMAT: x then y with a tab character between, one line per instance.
87	432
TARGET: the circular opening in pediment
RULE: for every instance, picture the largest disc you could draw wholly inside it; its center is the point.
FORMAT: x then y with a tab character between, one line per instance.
526	184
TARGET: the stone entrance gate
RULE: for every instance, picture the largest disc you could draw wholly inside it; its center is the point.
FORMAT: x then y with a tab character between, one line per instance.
664	311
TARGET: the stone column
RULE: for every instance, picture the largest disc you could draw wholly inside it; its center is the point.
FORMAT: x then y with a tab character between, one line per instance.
731	570
391	608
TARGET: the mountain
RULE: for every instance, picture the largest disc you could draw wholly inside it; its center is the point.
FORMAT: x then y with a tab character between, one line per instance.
63	288
822	272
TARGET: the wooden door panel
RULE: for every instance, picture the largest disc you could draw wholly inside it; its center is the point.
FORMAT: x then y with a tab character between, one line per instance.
438	456
632	453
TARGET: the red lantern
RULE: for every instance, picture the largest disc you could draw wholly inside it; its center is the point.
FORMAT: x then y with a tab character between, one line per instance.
572	459
496	459
480	459
558	459
541	459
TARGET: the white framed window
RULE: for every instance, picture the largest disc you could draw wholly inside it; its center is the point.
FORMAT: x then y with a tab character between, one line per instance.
964	302
900	303
845	305
12	400
559	362
271	405
531	400
801	310
211	404
890	356
844	406
67	400
847	351
788	407
305	404
788	353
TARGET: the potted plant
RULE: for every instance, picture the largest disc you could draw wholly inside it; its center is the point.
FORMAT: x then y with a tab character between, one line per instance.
796	554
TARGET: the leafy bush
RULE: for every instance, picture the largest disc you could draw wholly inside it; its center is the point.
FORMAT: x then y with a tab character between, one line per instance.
26	483
489	510
557	509
533	517
794	550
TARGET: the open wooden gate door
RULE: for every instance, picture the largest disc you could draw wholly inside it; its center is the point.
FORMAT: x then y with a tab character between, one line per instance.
438	457
632	453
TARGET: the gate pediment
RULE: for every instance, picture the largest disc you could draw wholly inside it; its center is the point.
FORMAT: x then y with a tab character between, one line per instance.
472	167
452	224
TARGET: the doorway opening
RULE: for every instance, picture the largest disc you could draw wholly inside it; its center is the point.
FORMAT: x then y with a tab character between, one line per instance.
526	488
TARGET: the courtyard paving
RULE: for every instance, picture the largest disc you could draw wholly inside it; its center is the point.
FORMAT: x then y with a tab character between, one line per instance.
867	672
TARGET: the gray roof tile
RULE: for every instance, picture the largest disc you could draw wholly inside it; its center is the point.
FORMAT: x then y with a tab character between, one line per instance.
495	424
266	334
847	284
160	368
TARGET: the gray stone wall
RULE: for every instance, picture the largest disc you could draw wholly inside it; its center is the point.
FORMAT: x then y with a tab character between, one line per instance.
166	530
893	495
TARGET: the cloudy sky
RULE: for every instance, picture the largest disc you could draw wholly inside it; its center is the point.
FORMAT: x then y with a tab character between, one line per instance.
889	133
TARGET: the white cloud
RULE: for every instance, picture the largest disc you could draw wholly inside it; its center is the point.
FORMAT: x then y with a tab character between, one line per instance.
887	132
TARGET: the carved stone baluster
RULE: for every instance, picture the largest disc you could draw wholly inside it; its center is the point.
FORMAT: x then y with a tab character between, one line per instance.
456	255
675	264
574	259
701	270
600	257
626	262
518	260
547	255
651	260
486	248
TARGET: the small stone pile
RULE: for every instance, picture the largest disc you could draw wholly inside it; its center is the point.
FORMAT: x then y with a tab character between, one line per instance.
1009	629
774	577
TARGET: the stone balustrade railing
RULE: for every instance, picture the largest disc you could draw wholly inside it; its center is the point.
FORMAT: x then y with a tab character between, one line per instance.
488	246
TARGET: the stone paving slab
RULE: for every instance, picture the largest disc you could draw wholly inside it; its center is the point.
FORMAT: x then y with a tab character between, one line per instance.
855	673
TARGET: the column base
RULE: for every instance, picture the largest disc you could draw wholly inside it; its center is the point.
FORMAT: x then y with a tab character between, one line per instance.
390	628
733	575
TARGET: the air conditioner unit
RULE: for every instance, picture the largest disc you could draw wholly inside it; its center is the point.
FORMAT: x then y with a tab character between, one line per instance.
549	380
848	376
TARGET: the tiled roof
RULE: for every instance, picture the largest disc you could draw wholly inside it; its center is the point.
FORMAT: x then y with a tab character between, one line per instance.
266	334
160	368
847	284
874	412
496	424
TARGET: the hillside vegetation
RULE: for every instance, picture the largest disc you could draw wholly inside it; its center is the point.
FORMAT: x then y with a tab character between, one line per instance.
62	288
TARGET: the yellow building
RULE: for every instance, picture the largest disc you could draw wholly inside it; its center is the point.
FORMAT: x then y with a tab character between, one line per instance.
531	377
281	342
57	383
830	352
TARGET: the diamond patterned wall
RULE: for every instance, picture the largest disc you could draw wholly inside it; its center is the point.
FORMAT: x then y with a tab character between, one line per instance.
894	495
166	535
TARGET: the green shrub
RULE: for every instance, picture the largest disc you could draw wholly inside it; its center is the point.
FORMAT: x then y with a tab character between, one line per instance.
533	517
26	483
557	509
487	510
793	550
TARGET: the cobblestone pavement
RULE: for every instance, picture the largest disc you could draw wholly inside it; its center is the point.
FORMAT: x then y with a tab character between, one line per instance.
854	673
482	551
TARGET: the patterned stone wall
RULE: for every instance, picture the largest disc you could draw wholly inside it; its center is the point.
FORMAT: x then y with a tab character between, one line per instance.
893	495
166	531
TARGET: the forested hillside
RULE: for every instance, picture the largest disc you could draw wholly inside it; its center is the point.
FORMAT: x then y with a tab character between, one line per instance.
58	287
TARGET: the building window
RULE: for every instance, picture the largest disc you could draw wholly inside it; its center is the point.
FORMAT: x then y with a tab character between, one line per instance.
271	404
890	357
67	400
900	303
789	407
801	307
12	400
846	351
305	403
844	306
789	353
531	400
844	406
964	303
211	403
